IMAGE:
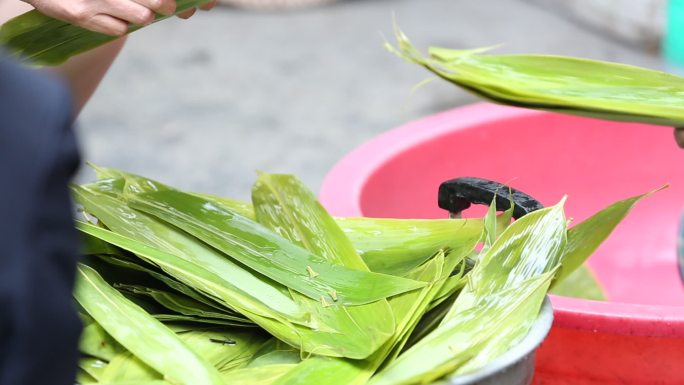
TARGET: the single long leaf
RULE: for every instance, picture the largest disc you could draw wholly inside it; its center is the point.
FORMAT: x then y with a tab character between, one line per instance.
509	331
283	204
289	356
581	283
141	334
93	366
134	382
261	375
169	281
225	349
83	378
127	367
274	352
532	245
182	304
97	343
585	237
396	246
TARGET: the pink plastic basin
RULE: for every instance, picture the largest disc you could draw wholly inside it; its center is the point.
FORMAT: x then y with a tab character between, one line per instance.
637	337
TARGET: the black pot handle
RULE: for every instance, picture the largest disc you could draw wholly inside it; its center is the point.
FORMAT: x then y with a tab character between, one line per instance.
458	194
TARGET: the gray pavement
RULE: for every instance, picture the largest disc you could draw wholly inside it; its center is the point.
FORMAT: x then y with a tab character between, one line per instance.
202	104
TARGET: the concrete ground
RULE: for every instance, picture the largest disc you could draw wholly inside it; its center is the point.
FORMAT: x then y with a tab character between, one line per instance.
202	104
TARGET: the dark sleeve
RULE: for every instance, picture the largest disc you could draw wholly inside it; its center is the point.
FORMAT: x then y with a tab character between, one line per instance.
39	327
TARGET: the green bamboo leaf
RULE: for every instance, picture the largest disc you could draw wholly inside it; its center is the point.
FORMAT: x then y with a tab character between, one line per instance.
225	349
581	283
207	321
283	204
97	343
127	367
477	335
276	356
494	224
556	83
93	246
585	238
261	375
413	316
93	366
260	249
243	208
133	382
396	246
169	281
532	245
182	304
509	331
451	286
273	352
114	182
42	40
83	378
141	334
490	228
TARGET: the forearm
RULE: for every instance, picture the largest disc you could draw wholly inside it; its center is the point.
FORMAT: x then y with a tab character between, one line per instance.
83	73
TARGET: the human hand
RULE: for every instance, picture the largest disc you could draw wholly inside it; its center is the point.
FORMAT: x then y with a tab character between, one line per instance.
204	7
110	17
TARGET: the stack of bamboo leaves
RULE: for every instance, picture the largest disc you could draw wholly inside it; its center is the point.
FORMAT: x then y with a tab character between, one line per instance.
191	289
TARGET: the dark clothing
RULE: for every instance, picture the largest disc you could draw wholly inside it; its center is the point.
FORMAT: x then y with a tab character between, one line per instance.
39	327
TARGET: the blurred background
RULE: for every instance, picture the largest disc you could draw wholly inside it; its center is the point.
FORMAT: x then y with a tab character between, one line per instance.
202	104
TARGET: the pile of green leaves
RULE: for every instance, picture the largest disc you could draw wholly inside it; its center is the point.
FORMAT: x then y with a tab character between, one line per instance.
191	289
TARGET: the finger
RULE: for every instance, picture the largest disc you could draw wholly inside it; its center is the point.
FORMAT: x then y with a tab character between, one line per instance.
165	7
208	6
130	11
679	136
187	14
106	24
